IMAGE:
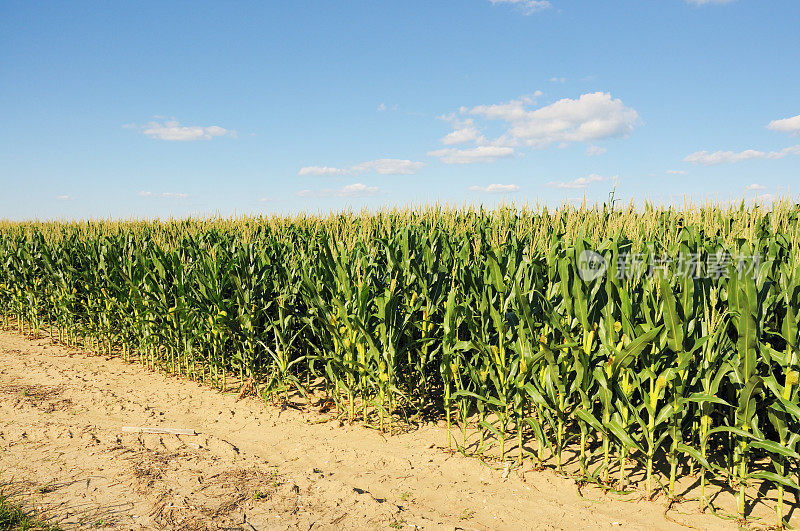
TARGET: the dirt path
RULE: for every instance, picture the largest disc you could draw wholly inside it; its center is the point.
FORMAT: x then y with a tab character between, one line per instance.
62	448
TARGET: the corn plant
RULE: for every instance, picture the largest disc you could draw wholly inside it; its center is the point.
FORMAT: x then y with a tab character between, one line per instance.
487	318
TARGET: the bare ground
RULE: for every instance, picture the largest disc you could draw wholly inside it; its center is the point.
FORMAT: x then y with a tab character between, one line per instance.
62	450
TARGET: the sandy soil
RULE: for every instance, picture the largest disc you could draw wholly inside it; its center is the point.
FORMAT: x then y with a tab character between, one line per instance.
250	467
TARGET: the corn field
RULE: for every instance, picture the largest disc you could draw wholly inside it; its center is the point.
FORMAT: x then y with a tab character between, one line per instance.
659	342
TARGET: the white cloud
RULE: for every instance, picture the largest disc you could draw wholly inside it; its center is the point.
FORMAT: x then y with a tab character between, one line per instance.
754	186
677	172
529	6
166	195
496	188
351	190
64	197
704	2
512	111
557	79
462	136
592	116
172	130
786	125
381	166
381	107
321	170
389	166
357	190
580	182
593	151
705	158
463	131
472	155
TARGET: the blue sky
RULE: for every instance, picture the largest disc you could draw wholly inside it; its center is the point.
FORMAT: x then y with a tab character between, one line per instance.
142	109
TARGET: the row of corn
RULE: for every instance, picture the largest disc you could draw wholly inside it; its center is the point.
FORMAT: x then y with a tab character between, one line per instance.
650	343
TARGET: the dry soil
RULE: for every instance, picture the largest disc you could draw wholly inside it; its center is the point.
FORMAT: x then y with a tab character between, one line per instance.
251	466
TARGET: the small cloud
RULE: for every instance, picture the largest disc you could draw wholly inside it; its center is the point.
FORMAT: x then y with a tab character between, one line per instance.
496	189
786	125
164	195
321	170
464	131
64	198
557	79
472	155
593	151
529	7
381	107
754	186
705	158
380	166
389	167
351	190
358	190
173	131
677	172
580	182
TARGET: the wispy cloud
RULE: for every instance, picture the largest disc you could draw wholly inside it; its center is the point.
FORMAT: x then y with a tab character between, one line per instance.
677	172
464	131
706	158
164	195
580	182
593	151
173	131
496	189
321	170
351	190
472	155
64	197
511	111
380	166
389	166
529	7
786	125
558	79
